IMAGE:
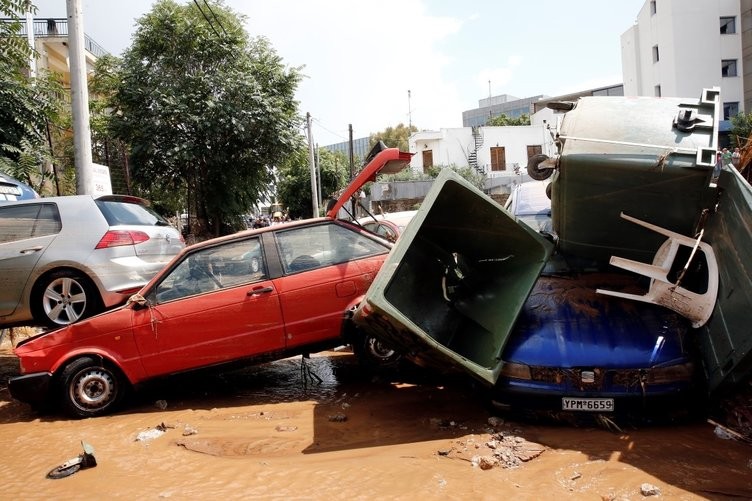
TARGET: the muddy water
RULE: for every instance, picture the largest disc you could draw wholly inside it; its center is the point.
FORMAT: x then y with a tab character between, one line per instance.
277	432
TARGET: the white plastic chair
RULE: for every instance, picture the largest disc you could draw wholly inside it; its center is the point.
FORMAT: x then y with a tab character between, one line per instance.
695	307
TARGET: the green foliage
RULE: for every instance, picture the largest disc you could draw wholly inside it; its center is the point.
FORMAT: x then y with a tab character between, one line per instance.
741	129
111	151
503	120
468	173
207	111
27	106
294	183
394	137
15	49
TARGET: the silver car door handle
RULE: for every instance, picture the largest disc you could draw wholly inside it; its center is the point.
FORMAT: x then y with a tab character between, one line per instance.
31	249
260	290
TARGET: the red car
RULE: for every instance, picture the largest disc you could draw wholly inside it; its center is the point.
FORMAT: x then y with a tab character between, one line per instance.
259	294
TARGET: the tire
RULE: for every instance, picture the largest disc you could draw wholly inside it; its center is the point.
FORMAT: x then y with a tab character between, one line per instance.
534	171
64	471
64	297
90	388
549	190
374	354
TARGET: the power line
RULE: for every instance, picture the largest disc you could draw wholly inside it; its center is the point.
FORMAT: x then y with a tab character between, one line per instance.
207	19
216	18
318	122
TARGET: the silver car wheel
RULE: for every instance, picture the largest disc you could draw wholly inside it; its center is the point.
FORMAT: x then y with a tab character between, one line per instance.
92	388
64	300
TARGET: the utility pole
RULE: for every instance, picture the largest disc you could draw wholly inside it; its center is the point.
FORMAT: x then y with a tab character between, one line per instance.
409	113
314	192
352	157
318	174
30	38
79	99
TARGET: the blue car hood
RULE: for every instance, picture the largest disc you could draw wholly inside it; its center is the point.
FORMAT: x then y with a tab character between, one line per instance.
565	324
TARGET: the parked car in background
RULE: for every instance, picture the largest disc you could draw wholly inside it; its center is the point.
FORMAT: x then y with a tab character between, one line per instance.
389	225
259	294
12	189
66	258
530	203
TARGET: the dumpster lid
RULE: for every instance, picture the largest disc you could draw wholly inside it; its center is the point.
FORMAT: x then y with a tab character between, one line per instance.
381	160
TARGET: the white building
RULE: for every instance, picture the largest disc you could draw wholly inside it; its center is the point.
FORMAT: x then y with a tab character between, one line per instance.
495	151
676	48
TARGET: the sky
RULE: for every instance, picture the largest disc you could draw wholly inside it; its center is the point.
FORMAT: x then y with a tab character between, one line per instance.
373	65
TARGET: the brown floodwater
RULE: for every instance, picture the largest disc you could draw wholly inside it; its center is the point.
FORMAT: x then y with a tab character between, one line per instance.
326	431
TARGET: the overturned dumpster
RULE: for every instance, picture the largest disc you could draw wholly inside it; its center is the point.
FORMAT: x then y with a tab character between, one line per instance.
451	290
632	194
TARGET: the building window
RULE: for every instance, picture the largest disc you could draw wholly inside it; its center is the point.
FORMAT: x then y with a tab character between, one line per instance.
728	25
657	90
427	160
498	158
728	68
730	110
656	58
653	7
534	149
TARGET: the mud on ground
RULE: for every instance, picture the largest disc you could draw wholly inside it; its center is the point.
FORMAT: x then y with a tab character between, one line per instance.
276	431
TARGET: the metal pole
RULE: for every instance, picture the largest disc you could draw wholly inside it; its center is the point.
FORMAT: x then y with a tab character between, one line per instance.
352	165
314	194
409	113
350	147
318	174
30	37
79	99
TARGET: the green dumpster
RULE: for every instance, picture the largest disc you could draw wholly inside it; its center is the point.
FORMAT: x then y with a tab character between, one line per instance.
451	289
646	157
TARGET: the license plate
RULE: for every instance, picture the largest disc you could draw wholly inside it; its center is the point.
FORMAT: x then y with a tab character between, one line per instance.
587	404
9	190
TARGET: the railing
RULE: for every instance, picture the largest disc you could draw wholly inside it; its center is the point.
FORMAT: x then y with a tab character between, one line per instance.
56	28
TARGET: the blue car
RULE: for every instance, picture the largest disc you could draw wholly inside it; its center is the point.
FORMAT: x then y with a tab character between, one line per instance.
574	350
12	189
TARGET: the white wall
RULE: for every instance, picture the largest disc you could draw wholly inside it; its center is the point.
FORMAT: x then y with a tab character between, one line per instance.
690	46
453	146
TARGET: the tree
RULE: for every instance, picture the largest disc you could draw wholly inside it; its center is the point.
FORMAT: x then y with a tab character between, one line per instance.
106	148
15	50
503	120
294	185
207	111
741	129
395	137
27	106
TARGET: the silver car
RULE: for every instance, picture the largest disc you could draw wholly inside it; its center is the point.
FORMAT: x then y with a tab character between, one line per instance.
66	258
530	203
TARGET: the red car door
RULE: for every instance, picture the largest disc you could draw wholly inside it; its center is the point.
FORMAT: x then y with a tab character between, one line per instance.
234	315
327	269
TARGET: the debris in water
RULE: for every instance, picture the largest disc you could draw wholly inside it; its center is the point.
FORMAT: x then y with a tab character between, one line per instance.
153	433
649	490
82	461
285	428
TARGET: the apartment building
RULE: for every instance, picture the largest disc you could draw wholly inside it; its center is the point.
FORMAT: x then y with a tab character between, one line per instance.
676	48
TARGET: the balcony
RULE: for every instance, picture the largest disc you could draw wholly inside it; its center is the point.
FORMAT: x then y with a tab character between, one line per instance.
57	28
